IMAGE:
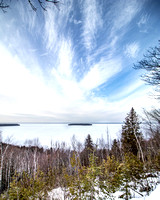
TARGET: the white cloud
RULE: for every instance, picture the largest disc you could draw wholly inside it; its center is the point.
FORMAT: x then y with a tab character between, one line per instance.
51	33
143	23
27	16
121	14
63	76
100	73
139	99
26	93
77	21
125	12
119	17
92	22
66	55
25	90
133	86
27	97
143	20
55	22
132	50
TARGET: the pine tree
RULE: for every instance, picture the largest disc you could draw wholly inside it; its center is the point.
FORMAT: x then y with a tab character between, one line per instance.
115	149
89	143
131	135
88	149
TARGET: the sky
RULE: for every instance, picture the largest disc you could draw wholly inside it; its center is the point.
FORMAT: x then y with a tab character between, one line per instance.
74	63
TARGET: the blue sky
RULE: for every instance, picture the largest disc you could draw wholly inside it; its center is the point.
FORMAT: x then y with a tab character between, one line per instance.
75	64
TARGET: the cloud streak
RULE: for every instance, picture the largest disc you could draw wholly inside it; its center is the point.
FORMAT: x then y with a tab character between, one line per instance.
132	50
100	73
92	22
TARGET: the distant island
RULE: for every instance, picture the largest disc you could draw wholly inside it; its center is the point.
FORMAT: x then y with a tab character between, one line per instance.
79	124
7	124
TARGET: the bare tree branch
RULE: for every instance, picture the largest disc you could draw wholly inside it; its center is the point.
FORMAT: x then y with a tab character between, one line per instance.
3	6
32	6
42	4
151	63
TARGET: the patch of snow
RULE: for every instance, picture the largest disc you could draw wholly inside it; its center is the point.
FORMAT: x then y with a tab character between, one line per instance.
154	195
56	194
154	182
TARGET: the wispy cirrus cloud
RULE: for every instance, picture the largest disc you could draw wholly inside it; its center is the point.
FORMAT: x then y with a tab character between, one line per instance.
143	20
143	23
63	73
55	22
77	21
124	11
118	19
27	16
132	49
92	22
100	73
121	14
51	30
65	59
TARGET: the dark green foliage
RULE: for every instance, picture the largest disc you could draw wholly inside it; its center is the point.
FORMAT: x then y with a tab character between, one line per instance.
110	173
85	182
131	135
24	186
131	171
88	149
89	144
115	149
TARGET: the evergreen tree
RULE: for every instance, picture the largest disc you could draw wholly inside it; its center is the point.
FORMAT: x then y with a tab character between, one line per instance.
88	149
89	143
115	149
131	135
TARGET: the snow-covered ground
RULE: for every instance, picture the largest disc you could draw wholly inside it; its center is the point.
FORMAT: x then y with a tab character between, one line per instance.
58	194
152	181
155	195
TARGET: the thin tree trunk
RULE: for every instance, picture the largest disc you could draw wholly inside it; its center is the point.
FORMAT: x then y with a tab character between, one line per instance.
139	145
2	162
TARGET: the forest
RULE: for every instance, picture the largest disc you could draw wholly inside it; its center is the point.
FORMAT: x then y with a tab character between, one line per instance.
84	171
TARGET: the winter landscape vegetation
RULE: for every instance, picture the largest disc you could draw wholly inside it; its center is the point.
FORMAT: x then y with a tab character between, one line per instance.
80	63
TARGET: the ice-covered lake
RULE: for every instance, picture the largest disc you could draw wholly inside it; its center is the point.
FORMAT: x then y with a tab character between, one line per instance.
59	132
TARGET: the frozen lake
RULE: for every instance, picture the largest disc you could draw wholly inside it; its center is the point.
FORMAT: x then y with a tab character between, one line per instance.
59	132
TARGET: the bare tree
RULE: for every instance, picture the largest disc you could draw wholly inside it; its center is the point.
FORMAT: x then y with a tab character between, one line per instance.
3	151
152	126
4	4
151	63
